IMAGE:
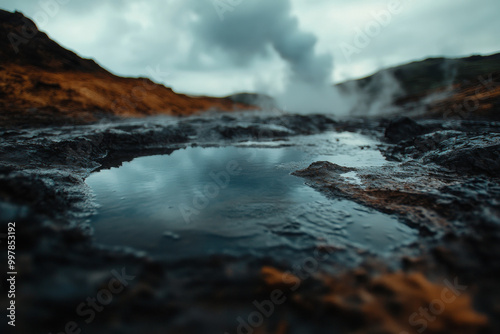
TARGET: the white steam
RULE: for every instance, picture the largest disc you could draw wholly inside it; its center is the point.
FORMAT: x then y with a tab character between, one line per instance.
246	30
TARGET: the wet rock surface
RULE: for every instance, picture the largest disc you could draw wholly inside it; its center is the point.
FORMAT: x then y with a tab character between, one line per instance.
441	179
402	128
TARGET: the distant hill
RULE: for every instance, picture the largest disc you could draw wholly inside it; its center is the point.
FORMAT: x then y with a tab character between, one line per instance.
435	86
43	83
264	101
21	43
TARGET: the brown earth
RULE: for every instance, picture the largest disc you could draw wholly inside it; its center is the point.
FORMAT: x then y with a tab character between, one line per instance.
387	303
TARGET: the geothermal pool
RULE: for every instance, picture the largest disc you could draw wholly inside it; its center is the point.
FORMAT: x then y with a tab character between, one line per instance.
239	200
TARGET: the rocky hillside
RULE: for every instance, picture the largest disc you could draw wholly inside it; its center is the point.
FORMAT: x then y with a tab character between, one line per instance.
437	87
44	83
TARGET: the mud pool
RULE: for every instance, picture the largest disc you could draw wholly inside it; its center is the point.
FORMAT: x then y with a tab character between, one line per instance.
240	200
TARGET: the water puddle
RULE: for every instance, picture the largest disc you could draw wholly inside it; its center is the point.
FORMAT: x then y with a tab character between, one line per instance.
234	200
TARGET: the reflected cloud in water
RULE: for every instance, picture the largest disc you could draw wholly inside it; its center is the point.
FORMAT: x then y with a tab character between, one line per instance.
233	200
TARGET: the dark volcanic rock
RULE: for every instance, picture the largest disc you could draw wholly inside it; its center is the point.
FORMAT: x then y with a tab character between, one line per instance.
464	151
305	124
322	168
252	131
402	128
42	173
474	155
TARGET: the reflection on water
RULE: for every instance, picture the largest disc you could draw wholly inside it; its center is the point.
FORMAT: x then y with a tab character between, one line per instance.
231	200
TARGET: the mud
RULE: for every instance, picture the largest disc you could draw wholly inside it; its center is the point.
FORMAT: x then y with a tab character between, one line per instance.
441	179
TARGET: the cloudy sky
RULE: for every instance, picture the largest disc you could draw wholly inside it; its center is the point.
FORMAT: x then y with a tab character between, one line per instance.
218	47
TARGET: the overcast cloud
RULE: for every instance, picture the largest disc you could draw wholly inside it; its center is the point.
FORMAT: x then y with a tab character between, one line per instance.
255	45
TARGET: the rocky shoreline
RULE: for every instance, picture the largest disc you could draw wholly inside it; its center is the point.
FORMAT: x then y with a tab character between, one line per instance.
444	183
